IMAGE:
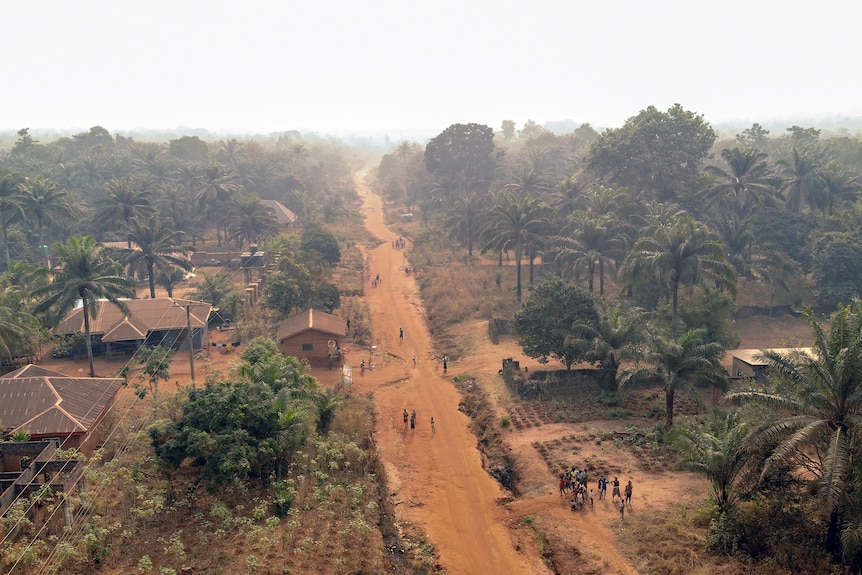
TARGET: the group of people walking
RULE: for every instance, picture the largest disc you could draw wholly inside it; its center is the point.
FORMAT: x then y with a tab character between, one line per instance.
411	417
574	482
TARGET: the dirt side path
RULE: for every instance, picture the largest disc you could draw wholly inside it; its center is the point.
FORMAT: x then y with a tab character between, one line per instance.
436	476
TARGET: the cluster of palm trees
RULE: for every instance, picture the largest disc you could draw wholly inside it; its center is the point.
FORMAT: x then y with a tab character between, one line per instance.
59	201
554	209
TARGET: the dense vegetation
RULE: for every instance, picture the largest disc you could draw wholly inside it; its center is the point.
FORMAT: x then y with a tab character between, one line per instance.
678	229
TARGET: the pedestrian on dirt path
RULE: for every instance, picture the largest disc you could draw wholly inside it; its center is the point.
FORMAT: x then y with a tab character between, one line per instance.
592	495
406	415
622	509
414	360
603	487
445	363
628	492
562	485
433	429
616	491
401	333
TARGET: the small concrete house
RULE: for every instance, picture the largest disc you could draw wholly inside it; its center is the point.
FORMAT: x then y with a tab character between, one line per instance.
313	335
747	362
160	321
46	405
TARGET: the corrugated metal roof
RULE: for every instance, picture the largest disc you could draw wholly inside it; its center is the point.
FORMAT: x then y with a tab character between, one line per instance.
54	405
749	356
145	315
282	214
310	319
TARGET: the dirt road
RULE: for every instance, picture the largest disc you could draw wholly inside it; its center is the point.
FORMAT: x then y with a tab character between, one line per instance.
437	476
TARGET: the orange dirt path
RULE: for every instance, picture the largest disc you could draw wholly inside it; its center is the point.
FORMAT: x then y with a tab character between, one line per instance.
436	477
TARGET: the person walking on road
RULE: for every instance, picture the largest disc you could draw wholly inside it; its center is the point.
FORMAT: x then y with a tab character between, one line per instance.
433	429
445	363
414	360
401	333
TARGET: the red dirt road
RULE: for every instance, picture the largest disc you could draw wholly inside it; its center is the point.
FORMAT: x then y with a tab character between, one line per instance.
436	477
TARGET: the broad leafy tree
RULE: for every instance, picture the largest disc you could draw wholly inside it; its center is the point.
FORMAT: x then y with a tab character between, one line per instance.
657	153
463	154
86	274
544	322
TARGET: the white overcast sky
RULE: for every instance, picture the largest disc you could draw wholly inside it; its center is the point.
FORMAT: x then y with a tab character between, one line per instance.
342	66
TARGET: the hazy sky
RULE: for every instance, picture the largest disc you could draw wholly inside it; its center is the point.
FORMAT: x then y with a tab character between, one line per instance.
353	65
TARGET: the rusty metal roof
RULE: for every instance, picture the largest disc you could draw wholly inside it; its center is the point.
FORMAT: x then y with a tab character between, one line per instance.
53	404
310	319
145	315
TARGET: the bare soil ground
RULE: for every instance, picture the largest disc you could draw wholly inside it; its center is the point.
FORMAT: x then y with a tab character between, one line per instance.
436	476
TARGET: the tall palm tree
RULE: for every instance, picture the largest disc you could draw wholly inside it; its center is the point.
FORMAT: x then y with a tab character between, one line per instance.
681	252
157	246
10	206
249	220
515	223
818	415
464	220
44	203
87	274
801	181
125	199
592	243
748	180
216	190
678	363
838	184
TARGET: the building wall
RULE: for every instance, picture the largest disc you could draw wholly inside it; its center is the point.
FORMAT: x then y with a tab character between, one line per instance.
319	355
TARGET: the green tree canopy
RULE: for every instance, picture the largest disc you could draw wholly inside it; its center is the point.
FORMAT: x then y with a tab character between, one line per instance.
657	153
544	321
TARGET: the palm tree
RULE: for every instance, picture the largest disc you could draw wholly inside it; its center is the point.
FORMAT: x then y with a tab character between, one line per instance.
157	245
748	180
683	251
169	278
838	185
249	220
216	190
43	202
464	220
801	181
10	207
614	338
591	243
818	416
678	363
718	452
85	274
515	223
125	199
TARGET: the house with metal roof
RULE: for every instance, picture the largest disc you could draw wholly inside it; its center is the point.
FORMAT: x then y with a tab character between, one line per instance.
160	321
312	335
46	405
749	363
283	215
